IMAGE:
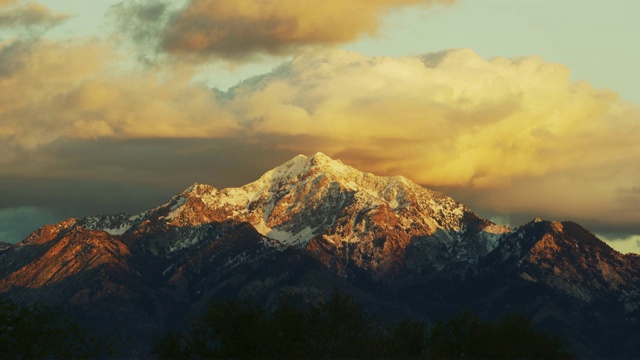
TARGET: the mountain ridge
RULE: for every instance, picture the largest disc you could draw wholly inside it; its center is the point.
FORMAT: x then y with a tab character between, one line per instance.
320	200
312	223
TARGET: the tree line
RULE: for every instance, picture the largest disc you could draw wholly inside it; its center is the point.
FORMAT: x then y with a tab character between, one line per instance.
339	328
39	332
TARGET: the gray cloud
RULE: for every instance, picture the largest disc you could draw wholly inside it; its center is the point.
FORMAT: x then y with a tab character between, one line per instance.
74	178
11	56
143	22
27	19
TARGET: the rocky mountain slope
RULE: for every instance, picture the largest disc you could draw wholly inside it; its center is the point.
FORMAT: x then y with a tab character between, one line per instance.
314	223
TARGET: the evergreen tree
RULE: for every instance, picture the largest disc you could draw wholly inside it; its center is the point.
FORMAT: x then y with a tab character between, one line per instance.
38	332
466	336
339	328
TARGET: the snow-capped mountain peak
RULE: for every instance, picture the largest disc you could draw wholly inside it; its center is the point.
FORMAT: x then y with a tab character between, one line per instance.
320	203
301	166
317	201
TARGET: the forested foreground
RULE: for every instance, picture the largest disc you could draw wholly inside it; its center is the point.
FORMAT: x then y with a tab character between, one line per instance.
38	332
335	328
339	328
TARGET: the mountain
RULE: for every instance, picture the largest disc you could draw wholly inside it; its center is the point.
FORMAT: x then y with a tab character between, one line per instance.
321	204
568	281
313	224
4	245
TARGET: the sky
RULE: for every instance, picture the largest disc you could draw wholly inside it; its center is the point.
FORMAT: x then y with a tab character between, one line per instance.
517	108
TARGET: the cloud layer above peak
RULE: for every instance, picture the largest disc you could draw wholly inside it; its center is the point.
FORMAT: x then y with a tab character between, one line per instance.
534	141
450	118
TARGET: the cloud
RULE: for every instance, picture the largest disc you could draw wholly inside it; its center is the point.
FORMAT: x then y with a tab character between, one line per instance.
81	177
517	130
143	22
512	137
241	29
21	25
30	17
451	118
53	90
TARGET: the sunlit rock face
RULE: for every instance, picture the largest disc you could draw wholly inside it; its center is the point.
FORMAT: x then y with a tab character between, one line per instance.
572	260
348	219
313	224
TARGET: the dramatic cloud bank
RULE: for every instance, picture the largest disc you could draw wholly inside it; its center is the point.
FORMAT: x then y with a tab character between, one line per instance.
450	118
519	129
237	30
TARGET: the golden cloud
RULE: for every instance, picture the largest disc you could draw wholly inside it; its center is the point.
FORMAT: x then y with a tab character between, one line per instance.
52	91
520	129
241	28
451	118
